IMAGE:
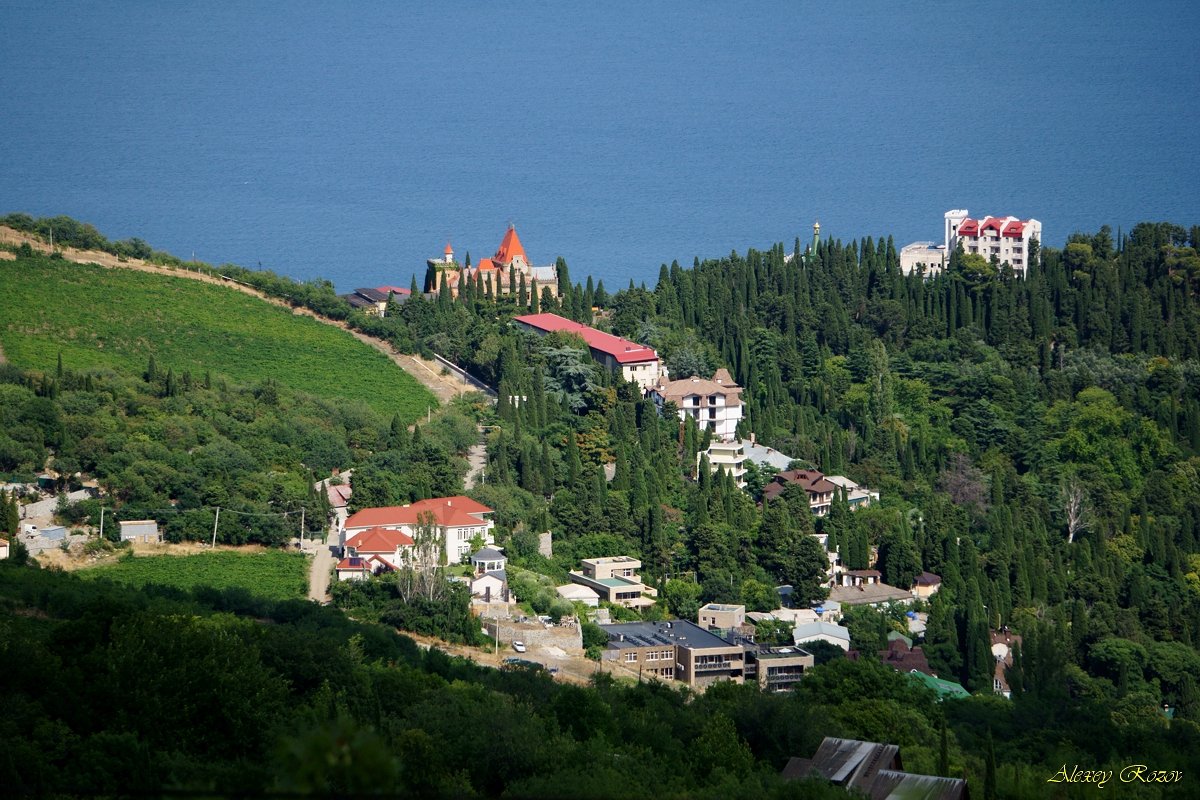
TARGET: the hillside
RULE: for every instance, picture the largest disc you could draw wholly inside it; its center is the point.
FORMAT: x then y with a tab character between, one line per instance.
97	317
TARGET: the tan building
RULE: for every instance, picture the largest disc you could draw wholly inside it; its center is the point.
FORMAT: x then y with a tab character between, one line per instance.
926	258
615	580
729	456
721	616
675	650
819	489
865	587
926	585
503	273
777	669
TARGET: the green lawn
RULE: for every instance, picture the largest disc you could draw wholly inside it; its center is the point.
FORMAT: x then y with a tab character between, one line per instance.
274	574
97	317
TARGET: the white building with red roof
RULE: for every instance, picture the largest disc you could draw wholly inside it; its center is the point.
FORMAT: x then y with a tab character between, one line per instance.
637	362
1006	238
458	519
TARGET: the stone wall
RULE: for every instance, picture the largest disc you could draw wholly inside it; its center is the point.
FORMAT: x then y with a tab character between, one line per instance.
568	636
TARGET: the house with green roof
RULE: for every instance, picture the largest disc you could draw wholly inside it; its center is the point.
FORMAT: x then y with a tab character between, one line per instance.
943	688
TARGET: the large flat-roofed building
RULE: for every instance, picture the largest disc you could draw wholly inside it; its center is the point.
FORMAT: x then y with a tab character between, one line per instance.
676	650
925	258
1006	238
615	580
636	362
777	669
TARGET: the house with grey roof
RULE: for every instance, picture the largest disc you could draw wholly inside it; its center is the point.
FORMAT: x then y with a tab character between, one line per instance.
821	632
488	559
872	769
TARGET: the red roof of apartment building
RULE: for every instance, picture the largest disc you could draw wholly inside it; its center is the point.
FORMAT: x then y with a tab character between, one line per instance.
510	248
393	289
1010	227
623	350
379	540
454	512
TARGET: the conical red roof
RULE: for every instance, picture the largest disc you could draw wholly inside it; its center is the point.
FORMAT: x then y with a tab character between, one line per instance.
510	248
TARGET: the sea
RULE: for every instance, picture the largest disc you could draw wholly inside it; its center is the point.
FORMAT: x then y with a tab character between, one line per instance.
352	141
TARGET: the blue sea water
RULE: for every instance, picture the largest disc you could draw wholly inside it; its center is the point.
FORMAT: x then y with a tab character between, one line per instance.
352	140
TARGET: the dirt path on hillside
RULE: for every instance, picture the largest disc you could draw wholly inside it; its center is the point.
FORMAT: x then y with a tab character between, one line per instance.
428	373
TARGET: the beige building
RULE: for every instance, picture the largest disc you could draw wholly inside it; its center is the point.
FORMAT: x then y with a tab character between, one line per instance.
926	585
777	669
729	456
721	616
140	530
675	650
615	580
926	258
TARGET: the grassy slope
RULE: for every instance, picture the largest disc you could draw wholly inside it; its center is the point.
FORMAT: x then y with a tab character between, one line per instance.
100	317
273	574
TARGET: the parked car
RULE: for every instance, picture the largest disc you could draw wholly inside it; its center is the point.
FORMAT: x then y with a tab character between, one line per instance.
518	646
512	663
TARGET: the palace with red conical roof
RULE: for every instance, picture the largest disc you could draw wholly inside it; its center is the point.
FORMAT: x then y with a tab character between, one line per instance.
505	272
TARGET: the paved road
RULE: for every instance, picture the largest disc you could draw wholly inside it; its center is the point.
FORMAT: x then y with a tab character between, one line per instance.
477	458
42	512
319	571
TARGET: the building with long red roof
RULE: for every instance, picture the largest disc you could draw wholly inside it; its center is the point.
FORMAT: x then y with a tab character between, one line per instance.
458	519
637	362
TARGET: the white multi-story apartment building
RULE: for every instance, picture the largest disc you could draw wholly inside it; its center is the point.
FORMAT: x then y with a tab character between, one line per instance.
1006	238
729	456
715	404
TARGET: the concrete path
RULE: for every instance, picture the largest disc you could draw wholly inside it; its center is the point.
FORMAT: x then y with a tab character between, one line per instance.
319	572
477	458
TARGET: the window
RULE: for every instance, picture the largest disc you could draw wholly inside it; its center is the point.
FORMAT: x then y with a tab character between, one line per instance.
668	672
631	657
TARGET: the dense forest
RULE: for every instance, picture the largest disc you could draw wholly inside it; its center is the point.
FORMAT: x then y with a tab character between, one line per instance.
1036	440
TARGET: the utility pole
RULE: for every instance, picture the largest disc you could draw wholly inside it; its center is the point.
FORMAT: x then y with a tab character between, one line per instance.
101	523
301	527
216	519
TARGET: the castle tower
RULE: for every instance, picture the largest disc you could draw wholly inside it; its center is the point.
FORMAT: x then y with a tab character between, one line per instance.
449	254
816	236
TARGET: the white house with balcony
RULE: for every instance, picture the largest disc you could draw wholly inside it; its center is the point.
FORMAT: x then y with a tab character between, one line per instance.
715	404
1007	239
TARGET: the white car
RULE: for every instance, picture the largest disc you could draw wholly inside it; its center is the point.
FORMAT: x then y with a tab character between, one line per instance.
518	646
